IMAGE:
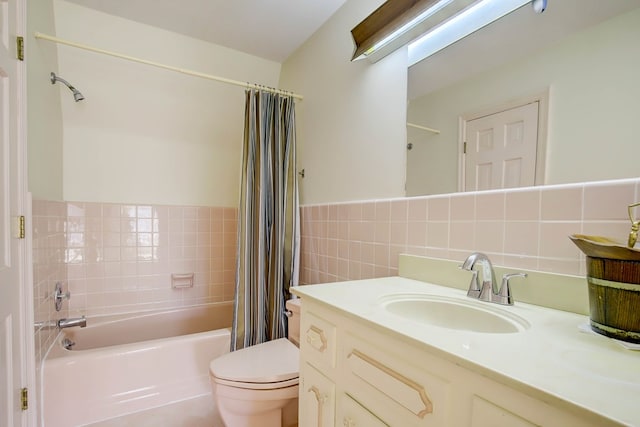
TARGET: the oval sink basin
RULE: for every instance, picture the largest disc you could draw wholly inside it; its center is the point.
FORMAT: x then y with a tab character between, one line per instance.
453	313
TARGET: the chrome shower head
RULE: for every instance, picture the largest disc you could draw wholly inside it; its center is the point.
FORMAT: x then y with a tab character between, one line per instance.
76	93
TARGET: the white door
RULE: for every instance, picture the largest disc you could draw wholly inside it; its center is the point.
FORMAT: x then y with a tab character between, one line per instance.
501	149
12	200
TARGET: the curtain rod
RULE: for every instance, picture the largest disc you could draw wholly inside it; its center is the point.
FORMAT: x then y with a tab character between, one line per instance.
436	131
42	36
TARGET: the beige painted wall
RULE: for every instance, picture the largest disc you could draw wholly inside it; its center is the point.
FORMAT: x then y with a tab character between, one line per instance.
144	135
147	135
44	114
594	93
350	126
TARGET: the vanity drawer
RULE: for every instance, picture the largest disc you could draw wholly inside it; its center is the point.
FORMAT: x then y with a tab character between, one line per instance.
398	392
352	414
318	340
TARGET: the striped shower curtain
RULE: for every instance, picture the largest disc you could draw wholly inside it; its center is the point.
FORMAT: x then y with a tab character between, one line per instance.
268	220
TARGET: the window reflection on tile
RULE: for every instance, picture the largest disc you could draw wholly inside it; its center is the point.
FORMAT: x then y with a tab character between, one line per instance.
74	255
145	211
144	225
145	253
75	224
75	209
145	239
128	239
128	225
75	239
128	211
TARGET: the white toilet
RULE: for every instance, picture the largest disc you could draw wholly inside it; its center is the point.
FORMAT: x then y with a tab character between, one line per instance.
258	386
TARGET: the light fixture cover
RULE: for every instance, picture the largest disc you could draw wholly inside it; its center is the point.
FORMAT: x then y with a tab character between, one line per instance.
473	18
397	22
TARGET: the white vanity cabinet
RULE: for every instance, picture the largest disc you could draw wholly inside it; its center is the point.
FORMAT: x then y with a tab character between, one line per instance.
355	373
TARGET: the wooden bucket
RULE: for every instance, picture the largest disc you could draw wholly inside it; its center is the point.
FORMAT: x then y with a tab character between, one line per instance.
613	276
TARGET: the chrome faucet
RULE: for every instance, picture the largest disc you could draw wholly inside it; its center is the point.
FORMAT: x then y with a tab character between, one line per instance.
488	290
70	323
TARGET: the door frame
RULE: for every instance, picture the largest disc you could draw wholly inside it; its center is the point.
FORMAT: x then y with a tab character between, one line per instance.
542	98
25	265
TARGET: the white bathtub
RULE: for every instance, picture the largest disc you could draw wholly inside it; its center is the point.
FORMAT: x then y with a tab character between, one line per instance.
131	363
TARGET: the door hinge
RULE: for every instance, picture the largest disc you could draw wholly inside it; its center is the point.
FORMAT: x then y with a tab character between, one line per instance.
20	47
24	399
464	147
21	232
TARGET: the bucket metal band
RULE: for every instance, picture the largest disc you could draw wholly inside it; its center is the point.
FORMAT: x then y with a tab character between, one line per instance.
617	285
616	333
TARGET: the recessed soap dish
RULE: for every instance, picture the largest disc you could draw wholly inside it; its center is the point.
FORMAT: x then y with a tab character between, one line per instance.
183	280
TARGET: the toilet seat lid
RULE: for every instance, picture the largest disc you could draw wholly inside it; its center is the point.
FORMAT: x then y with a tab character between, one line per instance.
269	362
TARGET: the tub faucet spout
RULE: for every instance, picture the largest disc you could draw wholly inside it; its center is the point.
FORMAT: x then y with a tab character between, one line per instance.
69	323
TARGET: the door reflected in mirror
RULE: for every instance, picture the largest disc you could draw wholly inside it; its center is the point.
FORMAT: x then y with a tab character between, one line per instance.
583	54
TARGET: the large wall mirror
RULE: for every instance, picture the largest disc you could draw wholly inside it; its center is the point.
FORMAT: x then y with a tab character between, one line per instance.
577	63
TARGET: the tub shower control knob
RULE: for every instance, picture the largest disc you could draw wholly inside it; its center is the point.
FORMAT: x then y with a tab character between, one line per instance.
59	296
68	344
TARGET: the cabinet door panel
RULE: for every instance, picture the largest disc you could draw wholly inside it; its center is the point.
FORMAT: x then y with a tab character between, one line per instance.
317	399
485	413
352	414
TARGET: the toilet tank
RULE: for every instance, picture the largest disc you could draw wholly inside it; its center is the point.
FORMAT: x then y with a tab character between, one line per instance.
293	306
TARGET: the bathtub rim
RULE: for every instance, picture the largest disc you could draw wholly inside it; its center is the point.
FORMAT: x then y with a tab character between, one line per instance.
99	319
56	350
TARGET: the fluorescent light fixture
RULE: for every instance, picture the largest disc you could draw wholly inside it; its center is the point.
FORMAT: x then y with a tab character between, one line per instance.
461	25
406	27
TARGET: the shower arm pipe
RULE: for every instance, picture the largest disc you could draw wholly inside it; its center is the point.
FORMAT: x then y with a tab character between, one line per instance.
47	37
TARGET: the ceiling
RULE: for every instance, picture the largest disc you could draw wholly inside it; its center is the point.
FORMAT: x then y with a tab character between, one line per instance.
274	29
271	29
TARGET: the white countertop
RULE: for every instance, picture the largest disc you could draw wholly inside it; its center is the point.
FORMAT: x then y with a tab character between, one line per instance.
551	360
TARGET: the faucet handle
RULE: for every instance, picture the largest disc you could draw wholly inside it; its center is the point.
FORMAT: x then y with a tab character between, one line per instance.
59	296
504	294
